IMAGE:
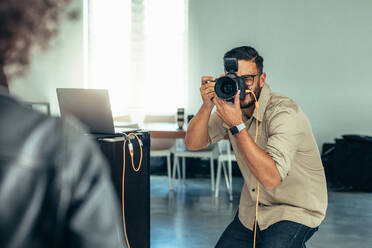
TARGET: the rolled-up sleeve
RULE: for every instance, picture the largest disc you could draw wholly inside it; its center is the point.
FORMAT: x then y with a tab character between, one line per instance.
283	138
216	129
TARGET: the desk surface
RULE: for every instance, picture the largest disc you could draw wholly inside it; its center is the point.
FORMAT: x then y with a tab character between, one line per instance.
164	130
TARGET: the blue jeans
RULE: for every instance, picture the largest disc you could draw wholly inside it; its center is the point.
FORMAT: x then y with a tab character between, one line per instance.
283	234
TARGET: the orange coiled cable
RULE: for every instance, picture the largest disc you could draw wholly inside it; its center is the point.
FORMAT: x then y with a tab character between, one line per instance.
130	147
258	184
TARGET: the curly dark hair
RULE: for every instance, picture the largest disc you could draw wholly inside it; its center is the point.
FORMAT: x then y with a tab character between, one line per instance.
24	24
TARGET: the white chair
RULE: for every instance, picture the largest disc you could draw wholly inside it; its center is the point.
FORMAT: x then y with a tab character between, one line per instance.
182	152
226	156
162	147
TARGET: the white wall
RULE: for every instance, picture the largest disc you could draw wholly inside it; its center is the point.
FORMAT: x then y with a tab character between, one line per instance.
60	66
317	52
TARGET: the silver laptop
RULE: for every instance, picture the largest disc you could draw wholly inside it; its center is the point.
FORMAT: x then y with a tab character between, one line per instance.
91	107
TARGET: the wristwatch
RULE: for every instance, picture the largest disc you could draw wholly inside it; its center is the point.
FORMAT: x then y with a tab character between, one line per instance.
236	129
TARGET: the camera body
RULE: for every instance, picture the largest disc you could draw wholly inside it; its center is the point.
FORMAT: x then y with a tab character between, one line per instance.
227	86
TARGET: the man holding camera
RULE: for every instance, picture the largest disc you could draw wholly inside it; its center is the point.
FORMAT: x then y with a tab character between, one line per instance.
284	160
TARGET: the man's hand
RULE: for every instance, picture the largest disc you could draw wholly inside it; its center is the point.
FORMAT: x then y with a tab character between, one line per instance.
197	130
231	114
207	90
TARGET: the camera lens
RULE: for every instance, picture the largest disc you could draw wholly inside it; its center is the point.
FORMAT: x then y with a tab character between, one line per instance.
225	88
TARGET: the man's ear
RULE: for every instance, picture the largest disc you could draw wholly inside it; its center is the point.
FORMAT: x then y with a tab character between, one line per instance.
262	79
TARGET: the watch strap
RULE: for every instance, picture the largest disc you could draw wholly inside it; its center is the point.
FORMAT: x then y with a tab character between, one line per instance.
236	129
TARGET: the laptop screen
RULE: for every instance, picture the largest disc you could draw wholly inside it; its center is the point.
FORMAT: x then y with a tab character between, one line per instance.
90	106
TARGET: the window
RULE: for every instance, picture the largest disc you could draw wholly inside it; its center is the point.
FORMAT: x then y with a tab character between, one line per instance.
136	49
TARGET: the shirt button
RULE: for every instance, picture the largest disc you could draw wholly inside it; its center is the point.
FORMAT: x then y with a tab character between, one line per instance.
253	190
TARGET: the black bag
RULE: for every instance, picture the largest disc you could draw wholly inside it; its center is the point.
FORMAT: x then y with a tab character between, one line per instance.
352	163
328	154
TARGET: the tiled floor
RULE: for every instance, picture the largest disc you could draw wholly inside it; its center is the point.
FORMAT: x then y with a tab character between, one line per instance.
191	216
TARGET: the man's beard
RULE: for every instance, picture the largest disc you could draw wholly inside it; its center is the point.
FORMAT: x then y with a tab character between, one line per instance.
251	103
248	105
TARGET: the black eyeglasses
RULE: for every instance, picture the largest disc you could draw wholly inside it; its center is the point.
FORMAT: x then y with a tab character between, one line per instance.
249	79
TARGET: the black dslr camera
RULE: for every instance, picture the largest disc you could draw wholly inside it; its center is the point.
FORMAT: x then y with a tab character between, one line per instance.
227	86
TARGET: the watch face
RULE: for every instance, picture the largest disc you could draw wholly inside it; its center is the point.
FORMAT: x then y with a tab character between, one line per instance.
234	130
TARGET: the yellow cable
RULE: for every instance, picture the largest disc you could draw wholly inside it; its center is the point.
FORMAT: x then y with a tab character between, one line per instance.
136	170
258	184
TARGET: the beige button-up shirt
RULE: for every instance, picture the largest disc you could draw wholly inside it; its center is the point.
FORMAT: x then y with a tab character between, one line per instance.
284	133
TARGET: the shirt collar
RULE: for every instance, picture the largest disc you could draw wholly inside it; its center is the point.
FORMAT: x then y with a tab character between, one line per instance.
262	102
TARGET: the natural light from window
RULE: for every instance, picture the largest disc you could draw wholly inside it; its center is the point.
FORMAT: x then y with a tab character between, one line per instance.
136	49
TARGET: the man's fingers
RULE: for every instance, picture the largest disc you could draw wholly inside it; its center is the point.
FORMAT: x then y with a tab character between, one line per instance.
206	79
211	96
237	99
220	101
220	115
208	86
220	104
208	90
215	100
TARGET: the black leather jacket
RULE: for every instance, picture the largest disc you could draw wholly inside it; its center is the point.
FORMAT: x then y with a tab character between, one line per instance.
55	187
